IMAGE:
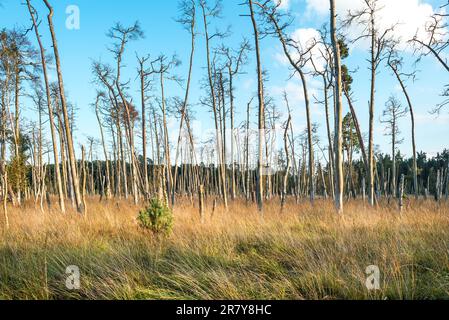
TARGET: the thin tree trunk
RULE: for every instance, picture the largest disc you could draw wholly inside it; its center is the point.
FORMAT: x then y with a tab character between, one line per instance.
261	120
401	194
50	109
84	174
412	119
371	167
186	99
214	104
105	152
287	169
68	132
144	131
357	128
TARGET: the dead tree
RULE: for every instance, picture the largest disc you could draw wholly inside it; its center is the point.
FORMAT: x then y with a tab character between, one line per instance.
391	116
68	131
435	42
298	57
188	20
162	69
84	178
33	14
144	85
287	156
326	74
214	12
395	64
234	62
122	35
379	39
100	98
261	120
401	193
339	178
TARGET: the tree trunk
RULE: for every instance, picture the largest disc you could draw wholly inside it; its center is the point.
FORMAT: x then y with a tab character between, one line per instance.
50	109
338	140
214	106
371	167
287	169
185	103
412	119
105	152
260	96
68	132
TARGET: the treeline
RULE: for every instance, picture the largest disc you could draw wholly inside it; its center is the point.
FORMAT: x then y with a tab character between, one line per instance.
226	166
433	179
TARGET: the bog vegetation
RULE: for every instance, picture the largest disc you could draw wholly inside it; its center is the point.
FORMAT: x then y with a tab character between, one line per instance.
307	253
236	216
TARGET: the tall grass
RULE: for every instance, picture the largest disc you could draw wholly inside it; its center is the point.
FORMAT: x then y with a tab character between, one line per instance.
306	252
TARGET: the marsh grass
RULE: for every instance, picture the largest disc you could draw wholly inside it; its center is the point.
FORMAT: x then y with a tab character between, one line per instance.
307	252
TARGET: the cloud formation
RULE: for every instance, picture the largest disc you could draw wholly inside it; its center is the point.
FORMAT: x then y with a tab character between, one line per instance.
306	38
284	4
409	16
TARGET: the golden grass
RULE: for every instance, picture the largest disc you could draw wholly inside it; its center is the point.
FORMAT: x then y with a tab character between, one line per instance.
307	252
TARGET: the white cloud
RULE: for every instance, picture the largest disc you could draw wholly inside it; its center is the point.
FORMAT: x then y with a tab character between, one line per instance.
320	7
295	92
305	38
293	89
429	119
409	16
283	4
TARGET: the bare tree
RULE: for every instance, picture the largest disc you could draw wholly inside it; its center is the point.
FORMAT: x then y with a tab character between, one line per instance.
260	96
122	35
434	41
188	20
234	62
391	116
163	68
379	39
395	64
326	74
144	85
68	131
287	155
101	96
208	12
298	57
33	14
339	178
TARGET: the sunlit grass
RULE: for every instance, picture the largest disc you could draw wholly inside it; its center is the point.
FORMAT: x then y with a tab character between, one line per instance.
306	252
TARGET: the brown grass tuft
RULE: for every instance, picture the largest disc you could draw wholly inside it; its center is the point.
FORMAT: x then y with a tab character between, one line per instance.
307	252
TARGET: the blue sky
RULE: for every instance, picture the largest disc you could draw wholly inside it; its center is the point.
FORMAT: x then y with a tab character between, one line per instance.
164	35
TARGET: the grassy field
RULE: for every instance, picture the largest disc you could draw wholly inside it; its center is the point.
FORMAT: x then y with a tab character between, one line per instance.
304	253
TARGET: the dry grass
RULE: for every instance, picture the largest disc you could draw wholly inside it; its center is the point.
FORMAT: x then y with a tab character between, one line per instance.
304	253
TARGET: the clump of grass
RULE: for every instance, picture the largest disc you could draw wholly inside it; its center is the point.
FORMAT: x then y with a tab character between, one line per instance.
302	253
